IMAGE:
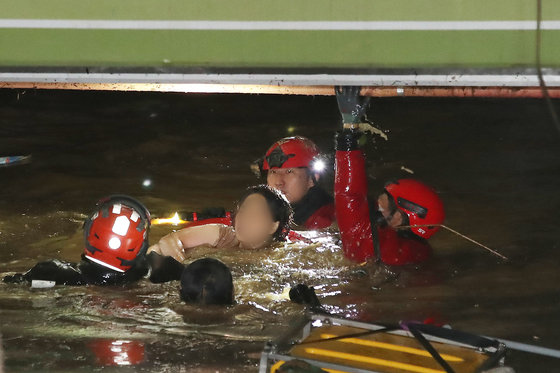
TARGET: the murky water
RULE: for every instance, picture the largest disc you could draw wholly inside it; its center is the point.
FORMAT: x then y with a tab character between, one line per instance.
496	163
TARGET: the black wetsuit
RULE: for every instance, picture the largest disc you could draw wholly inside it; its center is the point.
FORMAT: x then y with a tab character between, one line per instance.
156	267
315	202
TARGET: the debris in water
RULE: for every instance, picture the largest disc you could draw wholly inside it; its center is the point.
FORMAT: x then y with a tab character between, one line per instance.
366	127
14	160
405	169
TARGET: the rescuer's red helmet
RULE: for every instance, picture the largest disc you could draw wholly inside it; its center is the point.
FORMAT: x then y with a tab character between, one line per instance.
420	203
117	232
291	152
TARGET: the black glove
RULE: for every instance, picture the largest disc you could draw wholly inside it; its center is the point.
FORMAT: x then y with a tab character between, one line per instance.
348	139
62	273
14	279
303	294
352	106
164	268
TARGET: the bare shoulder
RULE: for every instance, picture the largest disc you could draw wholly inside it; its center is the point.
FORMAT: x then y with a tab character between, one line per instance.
226	237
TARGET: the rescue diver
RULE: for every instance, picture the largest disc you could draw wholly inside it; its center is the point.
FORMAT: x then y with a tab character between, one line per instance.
373	231
116	241
293	165
115	244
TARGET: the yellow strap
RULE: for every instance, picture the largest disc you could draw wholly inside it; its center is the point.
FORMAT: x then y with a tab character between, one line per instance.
371	360
393	347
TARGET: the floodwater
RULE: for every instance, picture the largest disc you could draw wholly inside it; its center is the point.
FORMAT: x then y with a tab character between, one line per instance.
495	162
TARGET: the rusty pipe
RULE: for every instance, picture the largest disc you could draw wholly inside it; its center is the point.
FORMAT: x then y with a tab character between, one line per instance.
374	91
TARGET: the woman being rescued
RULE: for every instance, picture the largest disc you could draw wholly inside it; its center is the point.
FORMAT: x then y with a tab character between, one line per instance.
263	216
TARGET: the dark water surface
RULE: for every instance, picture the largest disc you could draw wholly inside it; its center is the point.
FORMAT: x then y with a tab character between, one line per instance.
495	162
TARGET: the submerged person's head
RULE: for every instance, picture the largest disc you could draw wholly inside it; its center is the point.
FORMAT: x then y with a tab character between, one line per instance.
263	215
293	166
410	202
207	281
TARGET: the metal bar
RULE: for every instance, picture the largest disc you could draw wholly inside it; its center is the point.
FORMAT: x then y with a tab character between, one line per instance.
498	92
393	80
544	351
377	91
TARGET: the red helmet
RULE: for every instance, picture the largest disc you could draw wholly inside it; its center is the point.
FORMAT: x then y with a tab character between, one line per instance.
117	233
420	203
291	152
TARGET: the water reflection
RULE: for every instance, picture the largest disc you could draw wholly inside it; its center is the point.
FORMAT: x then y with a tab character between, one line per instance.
117	352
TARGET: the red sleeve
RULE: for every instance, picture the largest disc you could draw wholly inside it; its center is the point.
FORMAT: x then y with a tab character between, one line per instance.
322	218
352	210
353	216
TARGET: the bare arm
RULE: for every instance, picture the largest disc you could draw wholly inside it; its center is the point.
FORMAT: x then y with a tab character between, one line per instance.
175	244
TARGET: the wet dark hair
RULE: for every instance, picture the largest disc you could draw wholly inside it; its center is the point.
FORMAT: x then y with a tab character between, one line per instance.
279	207
207	281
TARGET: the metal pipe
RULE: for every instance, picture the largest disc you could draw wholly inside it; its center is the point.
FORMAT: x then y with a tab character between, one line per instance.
374	91
498	92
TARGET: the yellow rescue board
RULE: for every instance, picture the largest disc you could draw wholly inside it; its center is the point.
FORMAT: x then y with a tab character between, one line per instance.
380	352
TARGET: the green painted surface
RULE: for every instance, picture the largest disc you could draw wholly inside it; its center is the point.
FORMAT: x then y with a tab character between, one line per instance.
277	49
274	48
291	10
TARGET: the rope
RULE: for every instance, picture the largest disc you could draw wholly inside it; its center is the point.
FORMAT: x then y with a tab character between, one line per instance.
458	234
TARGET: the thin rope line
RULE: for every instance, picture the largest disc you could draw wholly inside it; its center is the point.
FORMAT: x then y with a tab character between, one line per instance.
458	234
538	50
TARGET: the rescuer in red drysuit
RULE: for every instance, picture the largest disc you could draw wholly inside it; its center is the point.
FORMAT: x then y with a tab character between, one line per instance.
294	165
371	230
